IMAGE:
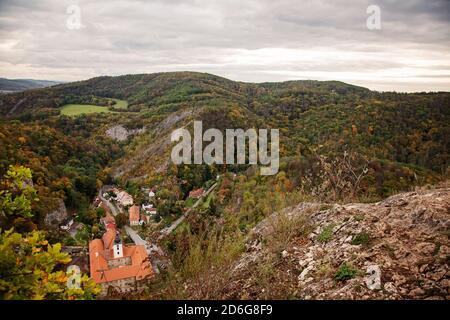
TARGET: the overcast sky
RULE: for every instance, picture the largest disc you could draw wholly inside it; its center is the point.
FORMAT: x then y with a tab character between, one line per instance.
246	40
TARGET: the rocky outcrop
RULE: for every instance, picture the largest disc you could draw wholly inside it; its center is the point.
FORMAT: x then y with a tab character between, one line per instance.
395	249
55	217
172	120
158	146
120	133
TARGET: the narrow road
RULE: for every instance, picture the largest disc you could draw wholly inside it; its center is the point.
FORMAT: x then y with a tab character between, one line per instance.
152	250
135	236
167	230
109	204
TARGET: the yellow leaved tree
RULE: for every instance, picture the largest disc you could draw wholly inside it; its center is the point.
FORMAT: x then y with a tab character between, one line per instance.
30	267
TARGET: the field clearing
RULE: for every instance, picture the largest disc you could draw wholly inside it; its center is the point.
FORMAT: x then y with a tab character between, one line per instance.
120	104
78	109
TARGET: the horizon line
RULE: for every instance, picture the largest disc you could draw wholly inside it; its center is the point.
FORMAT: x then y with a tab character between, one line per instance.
62	82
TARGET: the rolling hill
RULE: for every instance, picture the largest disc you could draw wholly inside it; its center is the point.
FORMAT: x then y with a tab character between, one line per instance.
14	85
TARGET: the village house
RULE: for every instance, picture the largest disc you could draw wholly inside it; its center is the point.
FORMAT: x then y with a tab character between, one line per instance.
116	267
134	215
149	209
124	199
136	218
148	191
197	193
146	206
145	217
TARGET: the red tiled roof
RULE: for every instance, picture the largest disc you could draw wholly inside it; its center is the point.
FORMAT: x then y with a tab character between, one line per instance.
108	238
124	196
99	254
134	213
110	225
140	266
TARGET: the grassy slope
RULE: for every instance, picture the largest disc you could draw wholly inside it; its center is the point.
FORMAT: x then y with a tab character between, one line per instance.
121	104
77	109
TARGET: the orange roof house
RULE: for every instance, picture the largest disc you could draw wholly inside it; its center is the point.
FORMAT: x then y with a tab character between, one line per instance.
117	267
108	238
134	215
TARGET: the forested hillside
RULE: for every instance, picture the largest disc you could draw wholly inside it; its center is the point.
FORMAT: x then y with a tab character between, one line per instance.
65	156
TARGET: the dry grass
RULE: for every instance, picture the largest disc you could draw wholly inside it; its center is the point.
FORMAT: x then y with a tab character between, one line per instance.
272	276
202	272
284	228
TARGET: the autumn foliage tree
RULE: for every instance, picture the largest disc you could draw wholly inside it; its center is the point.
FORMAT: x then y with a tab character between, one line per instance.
17	192
31	267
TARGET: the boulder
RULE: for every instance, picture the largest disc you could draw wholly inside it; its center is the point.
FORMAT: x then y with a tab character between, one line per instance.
55	217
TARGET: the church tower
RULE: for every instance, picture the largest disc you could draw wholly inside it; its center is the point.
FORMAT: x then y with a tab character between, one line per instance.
117	248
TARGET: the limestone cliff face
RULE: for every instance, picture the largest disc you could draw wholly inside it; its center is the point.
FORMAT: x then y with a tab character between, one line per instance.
120	133
398	248
154	153
58	215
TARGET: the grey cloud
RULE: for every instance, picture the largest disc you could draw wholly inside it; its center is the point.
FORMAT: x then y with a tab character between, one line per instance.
230	38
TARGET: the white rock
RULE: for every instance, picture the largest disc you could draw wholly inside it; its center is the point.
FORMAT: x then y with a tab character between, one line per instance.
305	262
303	274
309	280
373	279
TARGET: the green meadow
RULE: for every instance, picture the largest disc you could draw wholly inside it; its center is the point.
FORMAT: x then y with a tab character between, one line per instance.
77	109
120	104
